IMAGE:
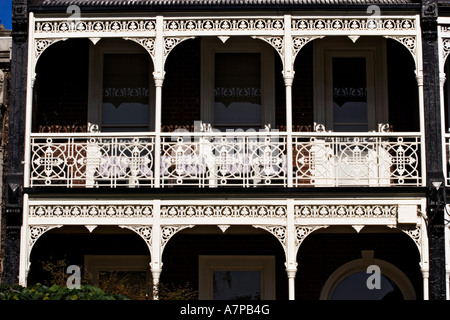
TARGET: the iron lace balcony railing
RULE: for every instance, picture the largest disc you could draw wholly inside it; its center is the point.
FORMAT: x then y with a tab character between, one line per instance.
216	159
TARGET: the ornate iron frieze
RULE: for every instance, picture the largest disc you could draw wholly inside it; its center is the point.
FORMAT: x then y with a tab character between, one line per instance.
353	24
94	26
225	24
243	211
346	211
86	211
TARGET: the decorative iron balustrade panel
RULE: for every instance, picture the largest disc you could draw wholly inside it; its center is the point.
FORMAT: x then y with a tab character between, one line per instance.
92	161
216	161
365	161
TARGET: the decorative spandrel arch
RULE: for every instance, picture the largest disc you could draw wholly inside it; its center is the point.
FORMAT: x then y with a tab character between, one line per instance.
144	231
33	233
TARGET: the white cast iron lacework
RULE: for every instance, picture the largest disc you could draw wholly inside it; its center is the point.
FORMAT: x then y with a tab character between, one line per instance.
346	211
95	26
168	232
327	160
353	24
219	159
87	211
225	24
144	231
89	161
223	211
36	231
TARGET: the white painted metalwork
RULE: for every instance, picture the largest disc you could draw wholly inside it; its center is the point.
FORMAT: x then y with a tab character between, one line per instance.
225	159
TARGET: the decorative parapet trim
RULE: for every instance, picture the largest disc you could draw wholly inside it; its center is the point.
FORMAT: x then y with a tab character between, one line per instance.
228	25
241	211
346	211
94	26
90	211
353	25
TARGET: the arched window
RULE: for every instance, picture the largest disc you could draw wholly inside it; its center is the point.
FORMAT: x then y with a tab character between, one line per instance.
356	281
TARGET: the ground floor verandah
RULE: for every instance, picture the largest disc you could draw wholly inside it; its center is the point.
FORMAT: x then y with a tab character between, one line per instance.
291	248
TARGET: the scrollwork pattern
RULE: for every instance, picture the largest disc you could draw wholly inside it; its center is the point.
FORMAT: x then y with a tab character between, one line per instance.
347	211
90	211
252	211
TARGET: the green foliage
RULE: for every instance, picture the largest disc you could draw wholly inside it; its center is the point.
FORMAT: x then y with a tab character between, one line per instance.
55	292
113	286
176	292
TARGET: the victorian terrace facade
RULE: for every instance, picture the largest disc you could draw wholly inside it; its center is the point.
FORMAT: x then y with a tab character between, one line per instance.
282	145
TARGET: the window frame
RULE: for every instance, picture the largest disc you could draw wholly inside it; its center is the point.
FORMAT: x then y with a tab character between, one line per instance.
210	263
96	55
360	265
94	264
374	49
212	45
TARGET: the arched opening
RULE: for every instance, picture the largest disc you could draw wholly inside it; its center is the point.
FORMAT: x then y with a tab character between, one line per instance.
212	262
326	250
81	86
368	279
387	86
108	257
60	92
233	83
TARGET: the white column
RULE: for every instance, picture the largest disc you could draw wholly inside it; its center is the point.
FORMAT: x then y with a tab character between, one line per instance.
424	259
419	78
447	262
156	263
31	75
158	76
24	262
288	75
291	249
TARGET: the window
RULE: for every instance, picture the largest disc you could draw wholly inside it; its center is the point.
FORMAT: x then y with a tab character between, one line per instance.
236	277
135	269
120	94
237	83
349	282
350	91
